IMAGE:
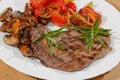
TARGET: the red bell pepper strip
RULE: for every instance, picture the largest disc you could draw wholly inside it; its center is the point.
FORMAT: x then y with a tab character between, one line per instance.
35	3
59	20
72	6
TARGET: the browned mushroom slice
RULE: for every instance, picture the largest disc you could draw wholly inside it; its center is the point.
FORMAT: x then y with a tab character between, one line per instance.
25	49
15	24
3	27
11	40
28	9
7	15
19	14
27	21
11	26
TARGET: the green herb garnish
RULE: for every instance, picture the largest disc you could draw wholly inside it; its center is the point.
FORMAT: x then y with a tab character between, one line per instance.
89	34
49	36
90	4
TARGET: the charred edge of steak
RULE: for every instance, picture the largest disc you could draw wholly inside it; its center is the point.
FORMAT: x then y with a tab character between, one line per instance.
74	57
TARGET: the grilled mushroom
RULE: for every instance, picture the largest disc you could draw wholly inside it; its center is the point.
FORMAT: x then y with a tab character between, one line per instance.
26	51
11	40
7	15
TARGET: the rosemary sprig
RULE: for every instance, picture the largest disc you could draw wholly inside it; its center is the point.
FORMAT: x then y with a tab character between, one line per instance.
49	36
89	34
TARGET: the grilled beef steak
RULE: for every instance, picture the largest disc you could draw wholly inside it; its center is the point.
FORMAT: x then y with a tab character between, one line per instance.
73	57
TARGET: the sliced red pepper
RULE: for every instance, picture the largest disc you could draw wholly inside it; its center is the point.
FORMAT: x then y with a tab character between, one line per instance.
41	5
54	9
72	6
59	20
35	3
60	3
63	7
36	13
48	2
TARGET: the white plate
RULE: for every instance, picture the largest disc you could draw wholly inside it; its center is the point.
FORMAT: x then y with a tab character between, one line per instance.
31	66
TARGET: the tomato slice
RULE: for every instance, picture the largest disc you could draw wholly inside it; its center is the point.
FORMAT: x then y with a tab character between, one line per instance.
89	12
59	20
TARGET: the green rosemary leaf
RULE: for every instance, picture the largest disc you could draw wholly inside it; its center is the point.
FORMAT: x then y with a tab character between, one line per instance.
59	45
50	46
90	41
82	37
101	41
56	32
50	38
89	34
101	29
39	38
96	24
104	33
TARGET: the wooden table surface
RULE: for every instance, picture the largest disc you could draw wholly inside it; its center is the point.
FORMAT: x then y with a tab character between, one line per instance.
9	73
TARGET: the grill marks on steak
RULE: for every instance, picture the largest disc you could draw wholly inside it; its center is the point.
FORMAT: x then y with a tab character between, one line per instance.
74	57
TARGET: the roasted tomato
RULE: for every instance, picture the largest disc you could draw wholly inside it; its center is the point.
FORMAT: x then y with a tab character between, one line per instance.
88	12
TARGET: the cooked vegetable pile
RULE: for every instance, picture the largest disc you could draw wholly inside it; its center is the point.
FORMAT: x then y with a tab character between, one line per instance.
63	12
